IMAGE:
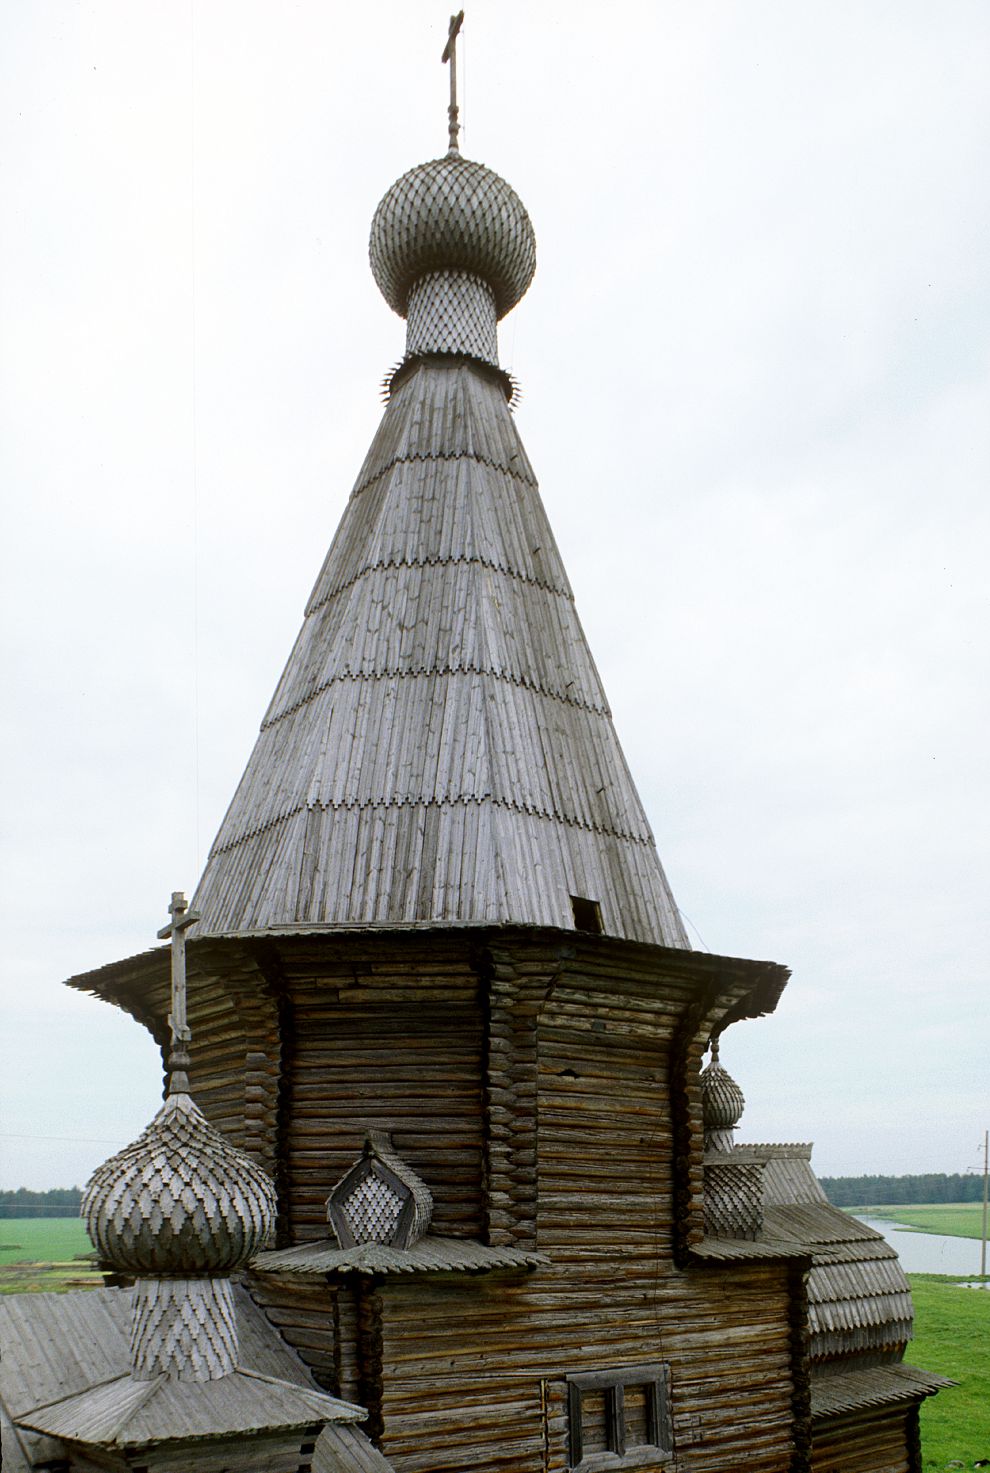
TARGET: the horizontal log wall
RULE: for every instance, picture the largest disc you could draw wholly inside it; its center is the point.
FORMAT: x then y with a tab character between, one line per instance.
875	1441
390	1040
236	1045
579	1082
547	1093
318	1323
475	1371
255	1452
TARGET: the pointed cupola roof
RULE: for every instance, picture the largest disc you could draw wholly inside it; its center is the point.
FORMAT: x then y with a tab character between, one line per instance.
439	749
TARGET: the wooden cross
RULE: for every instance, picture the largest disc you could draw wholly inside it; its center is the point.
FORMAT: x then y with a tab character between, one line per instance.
182	918
450	54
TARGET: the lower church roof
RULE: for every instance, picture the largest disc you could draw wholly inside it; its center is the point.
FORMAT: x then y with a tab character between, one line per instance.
70	1349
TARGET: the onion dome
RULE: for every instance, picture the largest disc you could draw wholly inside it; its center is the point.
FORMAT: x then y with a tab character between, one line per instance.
181	1200
452	215
722	1101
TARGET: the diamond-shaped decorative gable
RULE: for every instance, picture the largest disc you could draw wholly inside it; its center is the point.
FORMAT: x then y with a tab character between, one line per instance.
379	1200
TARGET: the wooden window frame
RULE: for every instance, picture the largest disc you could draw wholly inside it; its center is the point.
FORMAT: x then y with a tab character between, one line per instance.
654	1377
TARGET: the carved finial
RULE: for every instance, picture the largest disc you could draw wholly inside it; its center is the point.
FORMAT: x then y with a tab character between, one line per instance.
450	54
178	1058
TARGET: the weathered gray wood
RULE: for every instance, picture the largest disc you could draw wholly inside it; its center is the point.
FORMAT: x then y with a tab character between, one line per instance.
439	746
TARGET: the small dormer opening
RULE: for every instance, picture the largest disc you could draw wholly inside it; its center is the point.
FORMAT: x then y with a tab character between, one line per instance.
587	915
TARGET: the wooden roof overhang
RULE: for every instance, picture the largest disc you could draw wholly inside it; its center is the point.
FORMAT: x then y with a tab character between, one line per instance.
834	1396
748	989
430	1255
125	1412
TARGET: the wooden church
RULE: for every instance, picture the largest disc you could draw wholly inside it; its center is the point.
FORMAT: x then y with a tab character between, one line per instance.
441	1183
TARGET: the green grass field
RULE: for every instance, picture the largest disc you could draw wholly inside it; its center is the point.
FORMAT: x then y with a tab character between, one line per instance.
955	1219
952	1338
40	1253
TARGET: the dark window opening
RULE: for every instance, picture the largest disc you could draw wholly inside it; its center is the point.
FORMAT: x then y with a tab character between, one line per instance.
587	915
618	1418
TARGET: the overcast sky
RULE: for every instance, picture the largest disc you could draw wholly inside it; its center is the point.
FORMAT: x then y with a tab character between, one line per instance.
755	366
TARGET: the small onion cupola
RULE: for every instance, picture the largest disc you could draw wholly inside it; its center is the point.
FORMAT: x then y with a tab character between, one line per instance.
180	1209
722	1104
733	1175
181	1200
452	248
380	1199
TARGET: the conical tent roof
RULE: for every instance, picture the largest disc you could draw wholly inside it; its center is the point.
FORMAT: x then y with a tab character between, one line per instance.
439	749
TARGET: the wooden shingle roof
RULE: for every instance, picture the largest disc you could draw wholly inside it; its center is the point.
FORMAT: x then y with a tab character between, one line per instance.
65	1349
439	748
872	1386
428	1255
130	1413
859	1301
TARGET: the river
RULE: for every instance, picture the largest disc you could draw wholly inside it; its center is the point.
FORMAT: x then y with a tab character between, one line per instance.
929	1253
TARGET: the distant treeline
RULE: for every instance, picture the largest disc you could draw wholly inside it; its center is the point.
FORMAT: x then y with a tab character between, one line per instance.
900	1191
59	1202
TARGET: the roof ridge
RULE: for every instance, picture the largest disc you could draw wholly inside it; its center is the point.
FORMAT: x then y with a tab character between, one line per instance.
68	1395
309	1394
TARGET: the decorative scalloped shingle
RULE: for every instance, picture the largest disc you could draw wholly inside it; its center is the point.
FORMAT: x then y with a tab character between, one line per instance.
179	1200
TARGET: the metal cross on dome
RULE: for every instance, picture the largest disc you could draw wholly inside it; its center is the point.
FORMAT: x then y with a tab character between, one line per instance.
182	918
450	54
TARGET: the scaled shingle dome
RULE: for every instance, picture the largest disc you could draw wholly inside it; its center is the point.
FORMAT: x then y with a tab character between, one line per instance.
722	1101
179	1200
452	215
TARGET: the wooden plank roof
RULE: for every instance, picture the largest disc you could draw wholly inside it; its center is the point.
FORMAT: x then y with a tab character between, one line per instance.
60	1346
128	1412
439	748
428	1255
346	1450
871	1386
